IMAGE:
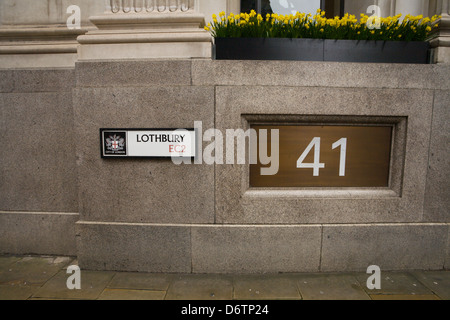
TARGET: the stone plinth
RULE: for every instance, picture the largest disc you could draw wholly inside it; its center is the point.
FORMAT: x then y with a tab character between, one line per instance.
34	34
172	30
440	41
29	47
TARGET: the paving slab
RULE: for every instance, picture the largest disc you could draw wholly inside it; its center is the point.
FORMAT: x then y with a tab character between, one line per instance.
436	281
32	270
125	294
6	261
403	297
398	283
92	285
265	287
331	287
200	287
147	281
15	292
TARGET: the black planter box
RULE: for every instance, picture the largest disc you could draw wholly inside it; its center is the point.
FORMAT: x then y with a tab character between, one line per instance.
321	50
268	49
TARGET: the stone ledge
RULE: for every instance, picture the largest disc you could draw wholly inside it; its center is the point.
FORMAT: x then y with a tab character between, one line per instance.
319	74
133	73
207	248
389	246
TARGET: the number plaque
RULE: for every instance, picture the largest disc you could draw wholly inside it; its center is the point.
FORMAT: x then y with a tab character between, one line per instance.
328	156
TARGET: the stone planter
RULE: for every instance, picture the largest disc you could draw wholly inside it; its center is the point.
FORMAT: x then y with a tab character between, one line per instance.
321	50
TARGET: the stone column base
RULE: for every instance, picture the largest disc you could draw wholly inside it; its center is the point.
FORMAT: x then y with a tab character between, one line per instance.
38	47
440	41
142	36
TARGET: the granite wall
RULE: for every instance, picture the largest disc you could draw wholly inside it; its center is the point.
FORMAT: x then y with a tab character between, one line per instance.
153	215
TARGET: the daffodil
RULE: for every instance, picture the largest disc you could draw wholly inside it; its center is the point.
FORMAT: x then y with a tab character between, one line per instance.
301	25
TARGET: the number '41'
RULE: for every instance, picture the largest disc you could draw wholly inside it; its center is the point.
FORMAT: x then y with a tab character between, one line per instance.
317	165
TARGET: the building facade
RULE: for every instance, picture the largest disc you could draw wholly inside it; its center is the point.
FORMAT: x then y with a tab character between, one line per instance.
148	64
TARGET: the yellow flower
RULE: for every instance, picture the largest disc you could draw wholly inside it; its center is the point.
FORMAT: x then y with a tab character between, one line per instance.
321	30
206	28
214	16
428	29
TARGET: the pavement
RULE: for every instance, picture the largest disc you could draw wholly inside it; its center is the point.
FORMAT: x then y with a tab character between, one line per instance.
45	278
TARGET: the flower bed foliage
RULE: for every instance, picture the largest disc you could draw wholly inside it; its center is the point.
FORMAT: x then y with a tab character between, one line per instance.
301	25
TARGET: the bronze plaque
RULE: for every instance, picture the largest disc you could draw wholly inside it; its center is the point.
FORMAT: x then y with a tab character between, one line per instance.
327	156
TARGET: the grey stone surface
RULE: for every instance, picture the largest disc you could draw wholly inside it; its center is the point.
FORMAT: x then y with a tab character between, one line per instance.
16	292
140	281
437	197
92	285
397	283
130	200
6	80
37	80
391	247
200	287
133	73
331	287
45	278
153	191
122	294
255	249
32	271
447	258
37	162
403	297
44	80
38	233
6	261
324	74
134	247
438	282
233	205
265	287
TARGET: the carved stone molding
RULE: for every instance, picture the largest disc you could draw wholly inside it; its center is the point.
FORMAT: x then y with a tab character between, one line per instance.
145	29
150	6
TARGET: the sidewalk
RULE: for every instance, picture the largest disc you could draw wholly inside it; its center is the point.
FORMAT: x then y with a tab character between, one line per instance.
44	278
